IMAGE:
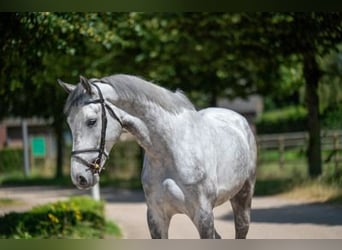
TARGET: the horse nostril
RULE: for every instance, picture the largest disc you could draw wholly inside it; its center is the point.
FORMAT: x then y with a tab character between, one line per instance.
82	180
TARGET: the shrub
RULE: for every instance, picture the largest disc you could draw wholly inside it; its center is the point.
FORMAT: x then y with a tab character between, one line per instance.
79	217
332	118
11	159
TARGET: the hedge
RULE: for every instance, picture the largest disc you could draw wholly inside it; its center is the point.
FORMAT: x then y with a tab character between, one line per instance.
290	119
11	159
79	217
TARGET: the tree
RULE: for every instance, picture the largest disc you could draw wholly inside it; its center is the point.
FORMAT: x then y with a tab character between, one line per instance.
241	53
207	55
270	40
308	35
31	44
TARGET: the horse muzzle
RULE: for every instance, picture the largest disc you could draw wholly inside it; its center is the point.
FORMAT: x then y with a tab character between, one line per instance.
84	179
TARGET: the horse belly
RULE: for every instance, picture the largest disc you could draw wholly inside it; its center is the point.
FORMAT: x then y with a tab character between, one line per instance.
233	163
230	179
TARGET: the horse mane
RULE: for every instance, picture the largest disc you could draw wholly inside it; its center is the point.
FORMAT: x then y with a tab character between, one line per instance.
131	87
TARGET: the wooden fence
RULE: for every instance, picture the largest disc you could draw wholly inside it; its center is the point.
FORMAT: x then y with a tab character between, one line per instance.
331	145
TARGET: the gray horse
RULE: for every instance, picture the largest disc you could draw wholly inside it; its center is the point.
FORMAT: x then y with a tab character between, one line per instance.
194	160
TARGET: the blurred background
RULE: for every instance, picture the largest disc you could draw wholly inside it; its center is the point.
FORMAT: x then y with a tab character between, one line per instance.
282	71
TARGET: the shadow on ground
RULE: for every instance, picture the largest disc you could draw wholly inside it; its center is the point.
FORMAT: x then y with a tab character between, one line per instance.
312	213
122	195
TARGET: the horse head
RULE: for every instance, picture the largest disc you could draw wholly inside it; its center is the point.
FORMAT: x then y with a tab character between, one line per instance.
93	133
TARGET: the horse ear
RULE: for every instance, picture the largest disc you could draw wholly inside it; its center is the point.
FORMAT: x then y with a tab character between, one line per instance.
66	86
86	85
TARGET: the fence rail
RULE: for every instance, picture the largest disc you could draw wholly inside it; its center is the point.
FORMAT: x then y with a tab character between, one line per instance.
331	142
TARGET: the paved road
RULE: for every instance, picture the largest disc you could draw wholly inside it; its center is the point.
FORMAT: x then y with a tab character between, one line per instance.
272	217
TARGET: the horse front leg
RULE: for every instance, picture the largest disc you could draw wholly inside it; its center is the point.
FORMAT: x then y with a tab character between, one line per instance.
158	223
204	222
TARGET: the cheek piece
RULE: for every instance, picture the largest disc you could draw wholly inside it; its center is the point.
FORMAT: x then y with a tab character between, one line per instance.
95	165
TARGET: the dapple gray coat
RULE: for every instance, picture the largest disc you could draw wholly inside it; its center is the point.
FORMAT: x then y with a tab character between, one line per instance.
194	160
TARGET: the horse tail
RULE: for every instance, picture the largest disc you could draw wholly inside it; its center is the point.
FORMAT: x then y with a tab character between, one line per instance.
253	154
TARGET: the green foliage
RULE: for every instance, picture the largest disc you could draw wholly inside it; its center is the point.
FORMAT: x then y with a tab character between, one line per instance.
216	54
332	118
11	160
113	229
290	119
79	217
272	186
208	55
330	89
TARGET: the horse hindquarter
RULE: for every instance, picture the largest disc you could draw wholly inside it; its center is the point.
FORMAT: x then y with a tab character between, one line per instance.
235	151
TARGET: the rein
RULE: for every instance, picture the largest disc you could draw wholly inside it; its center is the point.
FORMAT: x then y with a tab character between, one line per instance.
95	166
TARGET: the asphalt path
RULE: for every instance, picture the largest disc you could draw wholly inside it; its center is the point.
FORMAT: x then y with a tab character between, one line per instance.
273	217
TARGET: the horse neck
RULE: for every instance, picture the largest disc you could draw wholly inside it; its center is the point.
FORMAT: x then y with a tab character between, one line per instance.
157	120
148	122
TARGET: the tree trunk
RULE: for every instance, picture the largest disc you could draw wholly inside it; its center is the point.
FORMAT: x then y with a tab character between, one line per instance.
60	149
213	96
312	75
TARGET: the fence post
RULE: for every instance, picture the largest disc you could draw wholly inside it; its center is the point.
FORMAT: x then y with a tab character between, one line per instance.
281	151
25	148
259	158
336	149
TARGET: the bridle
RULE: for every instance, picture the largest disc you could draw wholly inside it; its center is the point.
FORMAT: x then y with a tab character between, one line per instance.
95	166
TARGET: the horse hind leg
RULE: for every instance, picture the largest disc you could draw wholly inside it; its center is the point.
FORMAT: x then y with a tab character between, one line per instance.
241	204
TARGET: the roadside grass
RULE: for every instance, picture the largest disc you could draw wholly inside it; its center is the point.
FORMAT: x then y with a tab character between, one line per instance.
292	180
315	191
112	230
310	190
9	202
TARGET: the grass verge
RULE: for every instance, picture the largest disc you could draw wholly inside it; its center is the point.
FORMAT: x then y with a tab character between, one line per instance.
315	191
9	202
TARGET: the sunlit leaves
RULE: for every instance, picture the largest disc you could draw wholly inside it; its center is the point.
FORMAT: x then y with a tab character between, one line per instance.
223	54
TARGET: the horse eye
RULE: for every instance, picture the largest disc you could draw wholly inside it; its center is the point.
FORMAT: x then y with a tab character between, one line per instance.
91	122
